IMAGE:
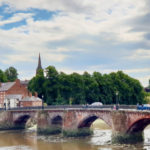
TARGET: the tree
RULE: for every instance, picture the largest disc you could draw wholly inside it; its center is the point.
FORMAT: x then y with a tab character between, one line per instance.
130	90
11	74
90	88
60	88
3	77
36	84
77	88
65	89
51	85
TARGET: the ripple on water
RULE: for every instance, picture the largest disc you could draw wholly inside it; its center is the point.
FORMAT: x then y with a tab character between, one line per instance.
52	139
18	147
101	137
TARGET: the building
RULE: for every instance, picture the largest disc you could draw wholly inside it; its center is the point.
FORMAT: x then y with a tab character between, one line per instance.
12	100
10	89
30	100
16	94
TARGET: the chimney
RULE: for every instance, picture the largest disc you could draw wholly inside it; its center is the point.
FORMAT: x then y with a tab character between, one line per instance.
17	81
35	94
30	94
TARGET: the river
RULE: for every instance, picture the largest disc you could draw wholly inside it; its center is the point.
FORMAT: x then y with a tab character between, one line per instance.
101	140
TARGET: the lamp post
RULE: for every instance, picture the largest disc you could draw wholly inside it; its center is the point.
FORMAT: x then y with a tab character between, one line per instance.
42	102
117	93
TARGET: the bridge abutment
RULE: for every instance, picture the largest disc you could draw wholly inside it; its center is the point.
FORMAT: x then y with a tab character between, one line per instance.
6	121
120	126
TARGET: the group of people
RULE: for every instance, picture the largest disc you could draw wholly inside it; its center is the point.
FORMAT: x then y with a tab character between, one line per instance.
116	107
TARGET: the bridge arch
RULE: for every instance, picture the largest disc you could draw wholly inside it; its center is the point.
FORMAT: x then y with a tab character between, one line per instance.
57	121
87	121
21	121
139	125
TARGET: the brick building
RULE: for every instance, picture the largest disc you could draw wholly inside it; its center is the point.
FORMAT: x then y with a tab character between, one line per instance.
30	101
12	88
16	94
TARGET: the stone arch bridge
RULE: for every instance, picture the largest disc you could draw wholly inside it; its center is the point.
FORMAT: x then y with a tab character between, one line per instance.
121	121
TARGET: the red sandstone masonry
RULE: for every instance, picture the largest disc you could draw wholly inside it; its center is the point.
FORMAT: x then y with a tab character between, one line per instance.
120	121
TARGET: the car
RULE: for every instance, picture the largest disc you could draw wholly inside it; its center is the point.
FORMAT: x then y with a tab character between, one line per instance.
97	104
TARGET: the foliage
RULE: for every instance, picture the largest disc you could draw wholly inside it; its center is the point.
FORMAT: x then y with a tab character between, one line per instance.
147	98
11	74
60	88
3	77
36	84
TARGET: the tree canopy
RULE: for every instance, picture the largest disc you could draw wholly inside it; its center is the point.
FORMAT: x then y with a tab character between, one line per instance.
61	88
9	74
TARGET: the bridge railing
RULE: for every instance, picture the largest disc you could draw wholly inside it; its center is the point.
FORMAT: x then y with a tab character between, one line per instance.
71	107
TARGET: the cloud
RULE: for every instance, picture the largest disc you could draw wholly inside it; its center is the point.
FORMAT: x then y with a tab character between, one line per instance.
99	35
139	54
15	18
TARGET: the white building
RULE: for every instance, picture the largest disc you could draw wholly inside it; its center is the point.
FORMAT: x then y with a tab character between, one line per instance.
12	100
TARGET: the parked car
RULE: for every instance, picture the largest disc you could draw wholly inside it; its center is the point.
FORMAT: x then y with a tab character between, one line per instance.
97	104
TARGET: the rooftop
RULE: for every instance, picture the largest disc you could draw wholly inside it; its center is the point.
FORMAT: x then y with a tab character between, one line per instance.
6	86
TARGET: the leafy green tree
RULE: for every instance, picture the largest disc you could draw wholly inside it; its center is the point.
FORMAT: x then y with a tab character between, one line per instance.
65	87
105	88
130	90
60	88
36	84
11	74
77	89
51	85
90	88
3	77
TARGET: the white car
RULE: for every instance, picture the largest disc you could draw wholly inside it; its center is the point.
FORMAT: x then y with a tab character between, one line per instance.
96	104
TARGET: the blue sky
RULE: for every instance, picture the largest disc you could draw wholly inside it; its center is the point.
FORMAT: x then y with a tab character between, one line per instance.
76	36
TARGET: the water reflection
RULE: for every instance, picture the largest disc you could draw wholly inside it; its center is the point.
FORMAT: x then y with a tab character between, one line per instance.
101	140
101	137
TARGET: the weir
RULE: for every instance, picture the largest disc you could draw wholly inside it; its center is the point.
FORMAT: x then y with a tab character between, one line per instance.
125	124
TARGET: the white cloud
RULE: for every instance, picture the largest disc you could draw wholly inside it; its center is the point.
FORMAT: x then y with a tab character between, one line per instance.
15	18
139	54
77	22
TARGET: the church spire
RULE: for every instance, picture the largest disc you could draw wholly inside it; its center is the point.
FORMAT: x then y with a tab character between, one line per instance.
39	64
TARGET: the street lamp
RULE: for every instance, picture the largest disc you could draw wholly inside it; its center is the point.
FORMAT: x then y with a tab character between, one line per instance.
42	102
117	96
117	93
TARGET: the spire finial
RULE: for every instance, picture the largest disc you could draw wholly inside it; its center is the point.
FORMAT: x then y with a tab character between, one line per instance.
39	64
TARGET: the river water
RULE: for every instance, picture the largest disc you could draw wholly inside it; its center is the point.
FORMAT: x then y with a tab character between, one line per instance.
101	140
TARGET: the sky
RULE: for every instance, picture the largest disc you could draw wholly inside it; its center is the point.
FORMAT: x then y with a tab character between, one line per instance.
76	36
